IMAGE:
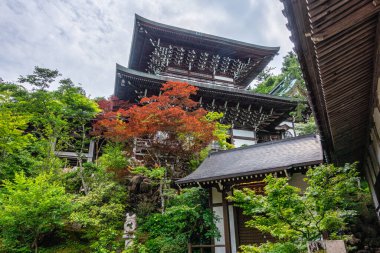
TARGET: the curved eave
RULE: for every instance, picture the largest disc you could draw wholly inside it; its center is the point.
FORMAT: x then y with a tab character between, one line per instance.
232	91
244	162
251	174
216	39
304	50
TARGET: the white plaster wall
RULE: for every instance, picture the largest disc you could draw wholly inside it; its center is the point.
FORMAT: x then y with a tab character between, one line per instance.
218	211
236	133
297	180
375	131
216	196
370	184
289	124
372	169
243	133
238	143
232	228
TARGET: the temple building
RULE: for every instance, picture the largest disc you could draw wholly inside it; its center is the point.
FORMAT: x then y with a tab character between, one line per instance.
222	69
246	167
338	47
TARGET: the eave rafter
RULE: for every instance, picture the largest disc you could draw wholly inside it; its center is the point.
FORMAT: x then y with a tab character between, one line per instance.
164	56
242	109
337	45
195	54
331	28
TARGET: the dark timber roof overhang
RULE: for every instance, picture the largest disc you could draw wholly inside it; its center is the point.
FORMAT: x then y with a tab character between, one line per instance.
155	45
337	43
257	160
242	108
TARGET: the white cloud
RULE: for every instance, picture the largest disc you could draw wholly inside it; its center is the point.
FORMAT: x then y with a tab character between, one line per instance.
85	39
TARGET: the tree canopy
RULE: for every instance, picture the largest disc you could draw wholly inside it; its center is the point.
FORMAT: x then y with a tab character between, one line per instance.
175	125
290	77
324	209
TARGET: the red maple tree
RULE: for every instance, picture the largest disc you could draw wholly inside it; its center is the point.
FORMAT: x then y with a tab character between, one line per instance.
174	125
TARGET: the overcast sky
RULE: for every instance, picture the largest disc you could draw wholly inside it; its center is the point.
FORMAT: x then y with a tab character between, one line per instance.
85	39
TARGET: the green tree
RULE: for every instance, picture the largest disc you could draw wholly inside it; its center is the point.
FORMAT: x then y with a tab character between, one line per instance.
44	121
186	219
114	160
308	127
41	77
100	213
13	139
291	75
31	208
221	133
324	209
77	113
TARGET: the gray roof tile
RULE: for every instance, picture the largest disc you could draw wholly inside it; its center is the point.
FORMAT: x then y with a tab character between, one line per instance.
259	158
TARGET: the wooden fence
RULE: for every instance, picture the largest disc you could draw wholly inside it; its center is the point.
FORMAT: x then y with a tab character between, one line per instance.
190	247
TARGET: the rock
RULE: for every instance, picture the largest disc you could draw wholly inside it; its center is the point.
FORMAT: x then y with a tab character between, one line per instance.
134	183
327	246
145	186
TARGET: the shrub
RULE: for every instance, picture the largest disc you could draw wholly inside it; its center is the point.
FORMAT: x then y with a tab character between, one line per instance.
186	219
31	208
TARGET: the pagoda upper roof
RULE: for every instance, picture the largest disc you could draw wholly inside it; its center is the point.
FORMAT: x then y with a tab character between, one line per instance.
180	48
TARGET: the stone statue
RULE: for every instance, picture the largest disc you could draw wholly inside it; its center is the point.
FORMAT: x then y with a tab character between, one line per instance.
130	226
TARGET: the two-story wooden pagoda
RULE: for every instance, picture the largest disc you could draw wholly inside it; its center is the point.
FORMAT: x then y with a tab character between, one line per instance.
221	68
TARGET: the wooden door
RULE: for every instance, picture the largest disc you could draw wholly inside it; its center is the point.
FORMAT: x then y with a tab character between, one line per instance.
247	235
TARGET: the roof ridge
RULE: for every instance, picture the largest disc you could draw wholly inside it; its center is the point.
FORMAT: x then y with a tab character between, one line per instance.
265	144
206	35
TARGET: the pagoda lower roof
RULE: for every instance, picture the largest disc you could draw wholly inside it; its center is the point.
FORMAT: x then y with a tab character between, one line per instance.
147	33
237	104
258	159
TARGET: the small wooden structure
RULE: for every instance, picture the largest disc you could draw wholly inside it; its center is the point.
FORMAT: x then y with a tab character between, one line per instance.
224	171
190	247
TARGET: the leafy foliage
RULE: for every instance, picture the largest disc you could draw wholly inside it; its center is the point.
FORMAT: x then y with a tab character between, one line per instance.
115	160
306	128
100	214
31	208
13	139
325	208
269	247
186	220
41	77
38	122
35	208
175	125
289	83
291	75
221	134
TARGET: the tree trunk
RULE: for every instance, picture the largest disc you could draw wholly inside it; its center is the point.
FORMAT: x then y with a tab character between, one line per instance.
84	185
162	197
35	244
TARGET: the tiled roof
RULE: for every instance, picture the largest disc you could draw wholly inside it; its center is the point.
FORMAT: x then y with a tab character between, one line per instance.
260	158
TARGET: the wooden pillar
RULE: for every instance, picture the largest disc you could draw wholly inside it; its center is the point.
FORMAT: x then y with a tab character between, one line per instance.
226	220
189	248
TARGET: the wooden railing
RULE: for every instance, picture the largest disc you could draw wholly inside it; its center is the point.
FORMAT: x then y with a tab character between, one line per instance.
190	247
